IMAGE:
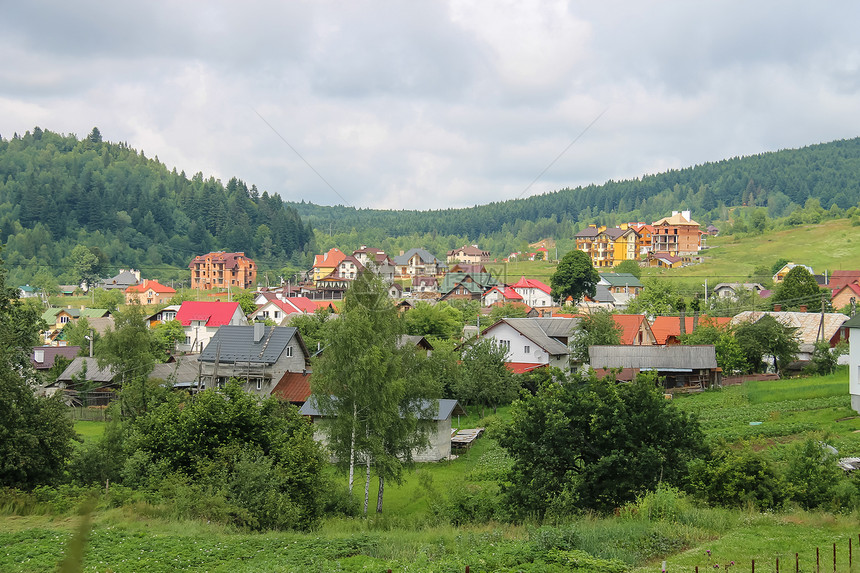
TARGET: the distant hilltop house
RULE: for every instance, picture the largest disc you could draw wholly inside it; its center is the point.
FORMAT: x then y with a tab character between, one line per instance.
471	254
223	270
781	273
731	290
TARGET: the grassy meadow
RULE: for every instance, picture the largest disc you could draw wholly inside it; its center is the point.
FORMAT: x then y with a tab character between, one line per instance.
413	535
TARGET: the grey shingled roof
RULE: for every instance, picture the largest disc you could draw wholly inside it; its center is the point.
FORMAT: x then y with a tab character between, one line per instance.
444	409
602	294
237	344
653	357
425	256
544	331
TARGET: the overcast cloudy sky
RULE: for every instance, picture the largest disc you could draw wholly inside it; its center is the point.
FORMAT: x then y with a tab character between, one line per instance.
417	104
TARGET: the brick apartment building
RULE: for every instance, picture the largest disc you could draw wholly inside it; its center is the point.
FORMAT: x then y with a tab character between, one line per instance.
223	270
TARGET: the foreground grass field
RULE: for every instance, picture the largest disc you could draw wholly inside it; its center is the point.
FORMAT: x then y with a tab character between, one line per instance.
410	536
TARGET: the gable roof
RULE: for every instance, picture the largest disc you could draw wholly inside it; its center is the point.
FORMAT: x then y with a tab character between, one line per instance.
236	344
807	323
423	254
653	357
445	408
123	279
50	353
330	259
544	332
508	293
213	312
94	373
620	279
630	325
853	287
665	326
154	285
293	387
839	279
675	220
587	232
531	283
182	372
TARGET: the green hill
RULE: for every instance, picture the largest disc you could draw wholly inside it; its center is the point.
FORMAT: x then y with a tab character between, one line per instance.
57	191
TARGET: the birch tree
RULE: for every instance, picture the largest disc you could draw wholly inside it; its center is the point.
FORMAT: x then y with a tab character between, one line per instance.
364	387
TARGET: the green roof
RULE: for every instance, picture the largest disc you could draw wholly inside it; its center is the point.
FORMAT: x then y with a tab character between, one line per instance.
621	279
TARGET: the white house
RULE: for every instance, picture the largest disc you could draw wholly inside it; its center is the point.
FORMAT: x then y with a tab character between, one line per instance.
854	361
533	342
201	320
439	447
534	292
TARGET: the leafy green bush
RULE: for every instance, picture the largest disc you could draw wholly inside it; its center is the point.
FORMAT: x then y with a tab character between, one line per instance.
467	504
814	479
737	478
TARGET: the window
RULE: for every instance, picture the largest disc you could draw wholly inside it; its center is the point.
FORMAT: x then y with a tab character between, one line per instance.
187	340
259	383
506	344
289	351
527	349
64	319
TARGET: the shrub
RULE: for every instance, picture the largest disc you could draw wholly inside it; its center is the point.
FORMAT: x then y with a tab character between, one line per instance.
737	478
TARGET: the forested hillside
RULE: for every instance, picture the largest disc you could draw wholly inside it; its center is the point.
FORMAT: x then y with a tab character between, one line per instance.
780	181
57	192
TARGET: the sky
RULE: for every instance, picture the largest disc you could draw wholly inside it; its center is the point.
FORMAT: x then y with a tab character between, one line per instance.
429	105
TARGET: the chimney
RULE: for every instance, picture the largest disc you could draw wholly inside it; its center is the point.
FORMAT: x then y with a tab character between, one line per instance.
259	331
777	307
803	308
401	253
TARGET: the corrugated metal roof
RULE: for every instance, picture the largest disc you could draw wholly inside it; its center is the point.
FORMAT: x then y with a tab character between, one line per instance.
184	370
653	357
237	344
444	408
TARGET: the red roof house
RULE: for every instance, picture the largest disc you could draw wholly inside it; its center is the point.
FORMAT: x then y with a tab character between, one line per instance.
202	319
667	329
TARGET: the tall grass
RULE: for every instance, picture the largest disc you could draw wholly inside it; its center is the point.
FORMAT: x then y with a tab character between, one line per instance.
762	391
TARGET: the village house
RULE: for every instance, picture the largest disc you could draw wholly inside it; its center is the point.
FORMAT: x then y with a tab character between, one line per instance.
469	254
501	294
202	319
424	285
58	318
377	261
123	280
166	314
781	273
534	292
416	263
259	356
608	246
669	329
811	327
325	264
439	447
466	286
43	357
854	361
149	292
731	290
533	342
223	270
635	330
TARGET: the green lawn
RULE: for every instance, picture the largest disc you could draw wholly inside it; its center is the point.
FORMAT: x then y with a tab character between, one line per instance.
89	430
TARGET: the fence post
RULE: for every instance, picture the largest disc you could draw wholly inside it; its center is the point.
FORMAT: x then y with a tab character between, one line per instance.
834	558
817	561
796	563
753	566
850	553
777	565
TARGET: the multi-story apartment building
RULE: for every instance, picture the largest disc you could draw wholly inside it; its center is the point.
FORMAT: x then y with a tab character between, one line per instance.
223	270
607	247
677	235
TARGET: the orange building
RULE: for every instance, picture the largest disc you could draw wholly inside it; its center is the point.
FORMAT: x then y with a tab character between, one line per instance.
677	235
149	292
223	270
